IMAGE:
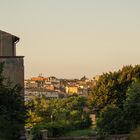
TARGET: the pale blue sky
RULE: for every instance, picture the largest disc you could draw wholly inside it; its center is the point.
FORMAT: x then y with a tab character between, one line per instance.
72	38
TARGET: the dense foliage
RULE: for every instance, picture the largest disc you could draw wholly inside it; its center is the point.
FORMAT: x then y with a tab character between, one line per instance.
131	109
12	110
111	87
115	120
58	116
112	121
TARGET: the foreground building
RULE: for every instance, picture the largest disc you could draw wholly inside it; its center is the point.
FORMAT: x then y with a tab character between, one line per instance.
13	65
13	70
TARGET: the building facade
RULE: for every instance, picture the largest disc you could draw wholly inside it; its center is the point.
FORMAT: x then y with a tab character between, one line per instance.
13	65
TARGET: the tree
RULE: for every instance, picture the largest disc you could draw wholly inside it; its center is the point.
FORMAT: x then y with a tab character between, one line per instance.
12	110
58	114
132	105
115	120
112	121
37	111
111	87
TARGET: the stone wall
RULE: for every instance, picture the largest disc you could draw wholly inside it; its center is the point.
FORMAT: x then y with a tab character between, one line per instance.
13	69
112	137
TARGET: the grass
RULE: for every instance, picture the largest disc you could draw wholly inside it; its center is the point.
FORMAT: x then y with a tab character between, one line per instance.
80	133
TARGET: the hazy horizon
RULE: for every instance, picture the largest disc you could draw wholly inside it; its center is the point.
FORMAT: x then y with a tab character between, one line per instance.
73	38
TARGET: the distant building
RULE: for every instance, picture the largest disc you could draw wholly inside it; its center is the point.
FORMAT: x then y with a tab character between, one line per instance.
52	79
72	89
39	78
13	65
40	81
29	94
30	84
49	87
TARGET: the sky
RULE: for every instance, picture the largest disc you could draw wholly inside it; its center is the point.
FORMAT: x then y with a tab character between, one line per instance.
73	38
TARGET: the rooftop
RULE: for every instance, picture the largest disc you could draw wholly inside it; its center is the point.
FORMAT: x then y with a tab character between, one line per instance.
3	33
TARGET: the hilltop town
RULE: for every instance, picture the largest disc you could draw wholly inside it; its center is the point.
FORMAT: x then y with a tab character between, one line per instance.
52	87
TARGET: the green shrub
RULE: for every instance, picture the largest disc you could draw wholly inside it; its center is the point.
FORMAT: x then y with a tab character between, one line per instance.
55	129
80	124
112	121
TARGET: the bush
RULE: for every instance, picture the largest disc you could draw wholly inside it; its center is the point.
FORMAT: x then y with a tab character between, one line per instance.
55	129
81	124
112	122
122	121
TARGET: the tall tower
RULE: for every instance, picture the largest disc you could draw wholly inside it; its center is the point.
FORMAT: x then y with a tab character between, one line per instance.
13	65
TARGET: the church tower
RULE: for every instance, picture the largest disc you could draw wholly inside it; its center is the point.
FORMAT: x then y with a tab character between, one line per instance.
13	65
